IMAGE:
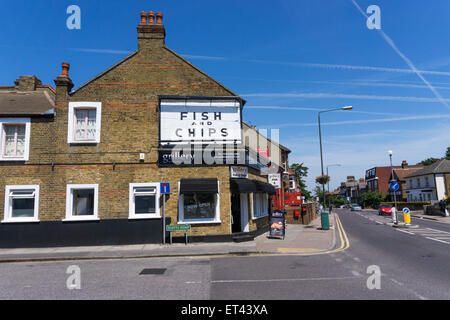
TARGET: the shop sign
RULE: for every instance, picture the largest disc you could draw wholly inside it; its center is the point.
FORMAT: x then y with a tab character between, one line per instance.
239	172
198	156
275	180
195	120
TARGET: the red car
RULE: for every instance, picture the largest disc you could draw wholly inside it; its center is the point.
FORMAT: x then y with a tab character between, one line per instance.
385	209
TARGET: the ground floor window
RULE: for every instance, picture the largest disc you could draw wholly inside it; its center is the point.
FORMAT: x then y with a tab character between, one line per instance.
21	203
199	207
144	200
82	202
260	205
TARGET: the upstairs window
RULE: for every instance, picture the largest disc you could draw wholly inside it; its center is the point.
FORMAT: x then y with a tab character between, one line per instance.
84	122
15	139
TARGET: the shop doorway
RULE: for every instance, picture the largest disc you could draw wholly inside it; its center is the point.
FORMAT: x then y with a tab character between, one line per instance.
239	212
236	212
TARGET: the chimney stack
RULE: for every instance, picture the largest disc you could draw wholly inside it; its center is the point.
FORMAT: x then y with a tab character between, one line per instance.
404	164
151	35
27	83
63	83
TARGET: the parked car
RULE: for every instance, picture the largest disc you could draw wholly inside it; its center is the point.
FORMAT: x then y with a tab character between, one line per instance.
356	207
385	209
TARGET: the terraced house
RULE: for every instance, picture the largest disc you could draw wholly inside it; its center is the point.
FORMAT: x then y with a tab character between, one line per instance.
85	167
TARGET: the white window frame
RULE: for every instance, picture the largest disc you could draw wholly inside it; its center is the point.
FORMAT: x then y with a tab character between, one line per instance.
181	219
71	121
69	202
7	217
132	214
260	208
15	121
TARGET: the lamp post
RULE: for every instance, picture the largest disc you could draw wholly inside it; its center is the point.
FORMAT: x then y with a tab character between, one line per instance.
320	139
394	216
328	184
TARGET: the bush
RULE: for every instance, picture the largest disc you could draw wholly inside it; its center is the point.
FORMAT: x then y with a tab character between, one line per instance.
372	199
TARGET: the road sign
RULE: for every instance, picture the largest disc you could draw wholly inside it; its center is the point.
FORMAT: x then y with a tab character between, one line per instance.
165	188
178	227
406	211
394	186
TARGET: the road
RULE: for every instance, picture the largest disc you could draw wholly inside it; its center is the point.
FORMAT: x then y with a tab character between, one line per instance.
413	265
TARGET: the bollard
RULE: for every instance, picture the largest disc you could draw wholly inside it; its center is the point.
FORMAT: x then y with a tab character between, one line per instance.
407	218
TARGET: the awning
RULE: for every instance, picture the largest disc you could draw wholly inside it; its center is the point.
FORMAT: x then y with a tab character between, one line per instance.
243	186
265	187
206	185
249	186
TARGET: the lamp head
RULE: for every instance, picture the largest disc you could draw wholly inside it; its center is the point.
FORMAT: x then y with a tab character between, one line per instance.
390	152
347	108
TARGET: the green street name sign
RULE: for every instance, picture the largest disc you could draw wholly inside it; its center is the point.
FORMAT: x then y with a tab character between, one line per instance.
178	227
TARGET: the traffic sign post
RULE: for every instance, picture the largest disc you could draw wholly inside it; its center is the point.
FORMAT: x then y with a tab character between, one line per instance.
164	189
394	186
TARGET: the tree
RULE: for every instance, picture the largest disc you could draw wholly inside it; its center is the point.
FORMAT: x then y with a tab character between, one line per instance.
447	154
318	192
338	201
301	172
371	198
428	161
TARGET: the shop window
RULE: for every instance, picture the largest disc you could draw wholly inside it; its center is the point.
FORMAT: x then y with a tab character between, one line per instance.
84	122
82	202
15	140
260	205
21	203
199	207
144	200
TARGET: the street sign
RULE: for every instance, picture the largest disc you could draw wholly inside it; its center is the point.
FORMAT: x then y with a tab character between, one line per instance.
178	227
406	211
275	180
394	186
165	188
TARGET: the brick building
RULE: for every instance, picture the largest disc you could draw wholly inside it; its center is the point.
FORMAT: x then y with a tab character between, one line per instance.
84	167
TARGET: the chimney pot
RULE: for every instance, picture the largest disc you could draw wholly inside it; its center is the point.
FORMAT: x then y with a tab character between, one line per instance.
159	17
65	70
151	17
143	17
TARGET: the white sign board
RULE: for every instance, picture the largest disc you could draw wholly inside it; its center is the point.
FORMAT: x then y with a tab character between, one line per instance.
275	180
190	120
239	172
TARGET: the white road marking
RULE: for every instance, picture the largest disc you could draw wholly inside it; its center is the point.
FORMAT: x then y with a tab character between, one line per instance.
397	282
405	231
438	240
278	280
356	273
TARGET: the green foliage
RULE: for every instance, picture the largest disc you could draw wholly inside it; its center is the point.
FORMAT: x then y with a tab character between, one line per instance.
371	198
428	161
338	201
301	172
318	192
447	154
323	179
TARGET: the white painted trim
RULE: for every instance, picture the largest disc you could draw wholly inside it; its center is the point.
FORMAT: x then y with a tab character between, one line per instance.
69	201
131	213
243	204
98	121
181	219
7	210
12	121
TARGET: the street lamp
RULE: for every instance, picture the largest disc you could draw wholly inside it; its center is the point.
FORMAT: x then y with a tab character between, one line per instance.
394	216
328	184
320	139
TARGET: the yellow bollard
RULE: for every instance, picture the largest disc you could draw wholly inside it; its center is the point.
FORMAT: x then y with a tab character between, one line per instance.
407	218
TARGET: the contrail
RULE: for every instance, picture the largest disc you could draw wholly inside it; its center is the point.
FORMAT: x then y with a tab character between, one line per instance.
344	96
407	61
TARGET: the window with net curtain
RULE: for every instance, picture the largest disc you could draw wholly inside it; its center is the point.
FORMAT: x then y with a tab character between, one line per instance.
85	124
14	140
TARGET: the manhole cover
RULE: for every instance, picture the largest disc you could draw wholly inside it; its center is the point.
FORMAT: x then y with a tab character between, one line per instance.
152	271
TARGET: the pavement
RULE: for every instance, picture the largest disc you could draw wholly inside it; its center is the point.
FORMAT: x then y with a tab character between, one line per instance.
300	239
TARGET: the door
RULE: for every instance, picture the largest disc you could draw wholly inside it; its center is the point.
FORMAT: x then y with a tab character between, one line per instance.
235	213
244	212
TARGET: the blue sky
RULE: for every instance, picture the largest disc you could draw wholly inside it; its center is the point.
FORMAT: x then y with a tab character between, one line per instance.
288	59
